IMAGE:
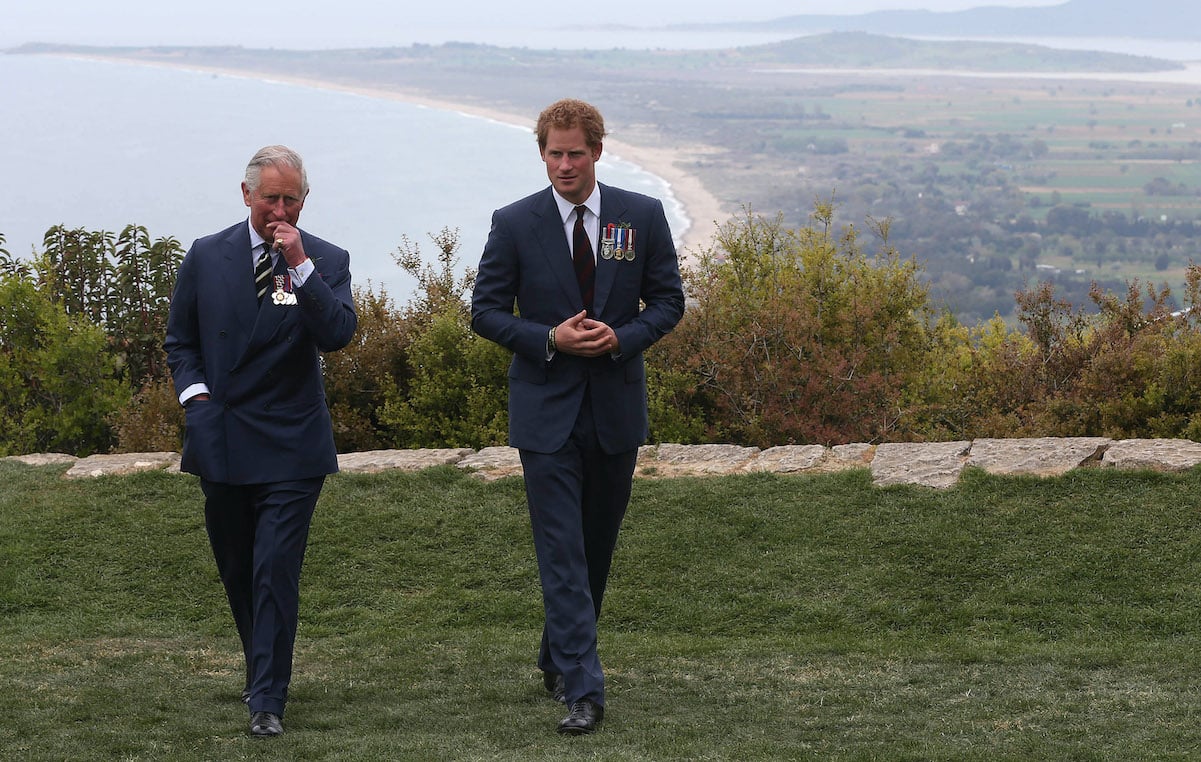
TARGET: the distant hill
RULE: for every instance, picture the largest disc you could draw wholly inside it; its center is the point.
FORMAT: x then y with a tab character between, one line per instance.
1151	19
869	51
830	50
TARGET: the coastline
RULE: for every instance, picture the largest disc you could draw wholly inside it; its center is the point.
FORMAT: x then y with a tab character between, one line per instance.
700	208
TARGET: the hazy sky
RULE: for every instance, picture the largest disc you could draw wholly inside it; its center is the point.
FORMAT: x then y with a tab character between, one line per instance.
349	23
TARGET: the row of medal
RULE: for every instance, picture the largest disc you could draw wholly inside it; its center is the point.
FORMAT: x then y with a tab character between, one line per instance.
280	296
617	243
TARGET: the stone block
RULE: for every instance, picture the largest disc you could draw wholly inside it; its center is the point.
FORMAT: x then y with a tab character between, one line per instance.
929	464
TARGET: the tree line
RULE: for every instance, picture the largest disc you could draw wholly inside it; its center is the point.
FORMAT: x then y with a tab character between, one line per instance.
792	335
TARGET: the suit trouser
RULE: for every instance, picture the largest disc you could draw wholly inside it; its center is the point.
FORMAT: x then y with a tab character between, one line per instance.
577	499
258	533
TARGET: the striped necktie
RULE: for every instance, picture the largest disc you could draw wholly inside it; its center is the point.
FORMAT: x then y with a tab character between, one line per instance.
582	257
262	273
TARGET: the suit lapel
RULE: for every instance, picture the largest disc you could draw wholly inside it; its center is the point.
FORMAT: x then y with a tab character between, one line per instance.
237	277
234	289
270	315
613	208
260	319
548	232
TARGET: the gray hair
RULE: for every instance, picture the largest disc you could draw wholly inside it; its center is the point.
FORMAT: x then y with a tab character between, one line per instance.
272	156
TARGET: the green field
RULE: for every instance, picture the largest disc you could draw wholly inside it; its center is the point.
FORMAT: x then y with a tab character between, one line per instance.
749	618
1103	144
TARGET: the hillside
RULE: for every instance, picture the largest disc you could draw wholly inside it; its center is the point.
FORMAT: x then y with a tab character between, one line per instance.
1152	19
852	49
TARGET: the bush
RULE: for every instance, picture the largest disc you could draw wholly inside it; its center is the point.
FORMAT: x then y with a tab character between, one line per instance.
976	383
153	421
360	377
794	336
122	284
1132	369
790	336
58	385
420	377
458	394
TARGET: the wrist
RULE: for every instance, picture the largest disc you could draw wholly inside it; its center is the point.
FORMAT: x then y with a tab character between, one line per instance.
550	340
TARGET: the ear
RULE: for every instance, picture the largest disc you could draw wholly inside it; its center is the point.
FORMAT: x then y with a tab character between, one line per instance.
245	194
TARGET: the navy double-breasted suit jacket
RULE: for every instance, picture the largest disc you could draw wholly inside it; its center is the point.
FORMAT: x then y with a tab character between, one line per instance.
526	263
267	418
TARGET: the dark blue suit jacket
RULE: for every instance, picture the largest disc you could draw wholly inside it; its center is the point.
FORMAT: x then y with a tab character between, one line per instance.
267	419
527	263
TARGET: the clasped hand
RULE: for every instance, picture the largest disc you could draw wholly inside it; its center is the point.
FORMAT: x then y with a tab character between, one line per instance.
583	336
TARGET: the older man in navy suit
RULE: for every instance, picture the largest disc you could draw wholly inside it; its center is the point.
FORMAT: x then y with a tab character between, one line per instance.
592	272
253	308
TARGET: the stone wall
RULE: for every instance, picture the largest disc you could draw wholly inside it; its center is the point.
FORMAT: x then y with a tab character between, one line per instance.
930	464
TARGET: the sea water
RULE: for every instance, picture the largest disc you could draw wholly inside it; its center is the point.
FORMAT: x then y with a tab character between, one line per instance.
100	145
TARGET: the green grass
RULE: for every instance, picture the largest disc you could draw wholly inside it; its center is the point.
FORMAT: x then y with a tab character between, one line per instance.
752	617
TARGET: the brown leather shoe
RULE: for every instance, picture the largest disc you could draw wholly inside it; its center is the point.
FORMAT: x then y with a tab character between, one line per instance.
585	716
265	724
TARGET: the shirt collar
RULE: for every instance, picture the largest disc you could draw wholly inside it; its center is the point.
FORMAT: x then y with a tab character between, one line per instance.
566	207
256	240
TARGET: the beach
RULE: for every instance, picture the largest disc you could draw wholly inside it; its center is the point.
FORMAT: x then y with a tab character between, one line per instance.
701	208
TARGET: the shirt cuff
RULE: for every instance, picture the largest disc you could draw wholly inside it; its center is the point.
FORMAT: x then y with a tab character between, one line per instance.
301	272
192	391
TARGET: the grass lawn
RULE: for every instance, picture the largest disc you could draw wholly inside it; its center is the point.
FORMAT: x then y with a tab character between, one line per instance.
751	617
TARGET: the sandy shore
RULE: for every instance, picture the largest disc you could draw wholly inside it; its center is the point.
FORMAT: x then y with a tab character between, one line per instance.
700	208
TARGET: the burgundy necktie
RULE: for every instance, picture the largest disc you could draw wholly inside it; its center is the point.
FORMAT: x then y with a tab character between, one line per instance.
582	256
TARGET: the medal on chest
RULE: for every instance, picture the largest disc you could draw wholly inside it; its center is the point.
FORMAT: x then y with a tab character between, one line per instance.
617	242
283	294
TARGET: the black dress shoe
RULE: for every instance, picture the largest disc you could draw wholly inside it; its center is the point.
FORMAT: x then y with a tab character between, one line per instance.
265	724
553	682
584	717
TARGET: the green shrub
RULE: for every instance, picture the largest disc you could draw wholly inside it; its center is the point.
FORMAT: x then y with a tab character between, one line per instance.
794	336
360	377
1130	369
58	384
453	389
458	393
153	421
790	336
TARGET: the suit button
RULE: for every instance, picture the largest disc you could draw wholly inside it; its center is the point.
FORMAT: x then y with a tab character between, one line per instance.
221	334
